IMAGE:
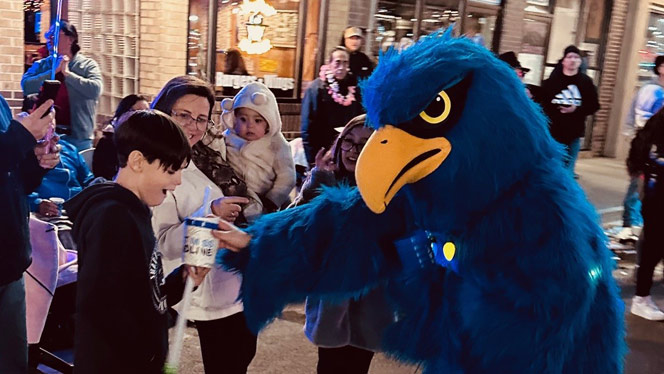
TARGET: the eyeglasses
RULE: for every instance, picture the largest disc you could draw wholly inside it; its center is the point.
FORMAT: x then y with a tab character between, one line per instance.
186	118
347	145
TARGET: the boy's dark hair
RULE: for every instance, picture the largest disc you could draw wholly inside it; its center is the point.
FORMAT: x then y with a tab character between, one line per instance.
155	135
180	86
29	102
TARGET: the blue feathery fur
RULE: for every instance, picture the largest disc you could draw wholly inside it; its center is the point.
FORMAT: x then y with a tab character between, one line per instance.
532	290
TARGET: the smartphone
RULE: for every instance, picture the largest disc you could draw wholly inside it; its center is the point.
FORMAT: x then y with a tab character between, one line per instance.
48	91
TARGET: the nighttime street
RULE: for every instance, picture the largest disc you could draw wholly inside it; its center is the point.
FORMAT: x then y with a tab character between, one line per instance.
418	170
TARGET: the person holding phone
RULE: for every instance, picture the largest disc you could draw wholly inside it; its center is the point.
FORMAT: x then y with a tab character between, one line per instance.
22	166
79	92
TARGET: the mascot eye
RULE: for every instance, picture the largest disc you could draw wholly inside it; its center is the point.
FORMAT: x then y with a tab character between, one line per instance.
438	110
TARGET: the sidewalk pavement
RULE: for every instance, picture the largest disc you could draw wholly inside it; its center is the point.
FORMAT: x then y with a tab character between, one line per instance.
605	182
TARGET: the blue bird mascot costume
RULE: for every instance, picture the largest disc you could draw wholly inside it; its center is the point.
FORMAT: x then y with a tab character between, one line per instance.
486	248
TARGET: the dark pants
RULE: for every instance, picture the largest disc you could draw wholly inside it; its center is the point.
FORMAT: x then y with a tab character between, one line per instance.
13	334
227	345
652	246
346	360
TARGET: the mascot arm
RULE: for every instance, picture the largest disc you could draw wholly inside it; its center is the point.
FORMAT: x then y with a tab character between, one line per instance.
333	247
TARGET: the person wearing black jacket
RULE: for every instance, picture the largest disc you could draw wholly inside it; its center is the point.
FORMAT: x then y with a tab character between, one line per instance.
359	63
646	157
23	164
329	102
568	97
122	296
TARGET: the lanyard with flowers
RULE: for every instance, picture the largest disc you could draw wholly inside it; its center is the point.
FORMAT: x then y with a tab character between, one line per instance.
327	76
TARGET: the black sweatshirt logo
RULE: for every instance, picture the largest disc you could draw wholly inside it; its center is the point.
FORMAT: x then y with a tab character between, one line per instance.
156	281
569	96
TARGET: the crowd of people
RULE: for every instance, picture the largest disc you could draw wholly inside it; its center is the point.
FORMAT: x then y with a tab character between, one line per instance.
157	163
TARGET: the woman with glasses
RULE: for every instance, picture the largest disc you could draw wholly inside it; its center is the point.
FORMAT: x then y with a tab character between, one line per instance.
330	100
340	329
227	345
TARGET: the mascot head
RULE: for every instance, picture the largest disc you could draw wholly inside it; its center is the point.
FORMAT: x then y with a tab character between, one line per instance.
454	125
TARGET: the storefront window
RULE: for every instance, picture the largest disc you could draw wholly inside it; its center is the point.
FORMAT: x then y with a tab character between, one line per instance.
396	21
394	24
533	47
256	40
654	45
439	14
197	38
480	22
36	17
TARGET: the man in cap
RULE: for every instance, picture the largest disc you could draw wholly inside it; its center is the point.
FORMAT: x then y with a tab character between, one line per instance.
511	59
568	97
360	65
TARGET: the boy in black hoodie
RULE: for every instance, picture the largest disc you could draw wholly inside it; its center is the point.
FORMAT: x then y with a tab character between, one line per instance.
122	297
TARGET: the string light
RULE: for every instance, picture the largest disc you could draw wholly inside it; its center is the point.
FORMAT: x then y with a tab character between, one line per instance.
32	5
257	10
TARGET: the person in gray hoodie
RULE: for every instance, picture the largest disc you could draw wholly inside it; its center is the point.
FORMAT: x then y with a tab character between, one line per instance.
80	89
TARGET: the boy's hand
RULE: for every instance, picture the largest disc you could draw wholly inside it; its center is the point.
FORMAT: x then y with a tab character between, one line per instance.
230	237
228	207
196	273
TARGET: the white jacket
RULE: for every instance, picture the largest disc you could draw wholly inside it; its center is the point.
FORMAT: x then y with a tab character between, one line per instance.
266	166
217	296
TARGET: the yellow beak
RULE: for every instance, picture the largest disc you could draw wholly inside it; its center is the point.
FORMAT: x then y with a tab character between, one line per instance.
390	159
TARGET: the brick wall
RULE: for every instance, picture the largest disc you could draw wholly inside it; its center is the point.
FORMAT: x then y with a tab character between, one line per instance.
512	32
608	80
163	44
358	15
337	21
11	51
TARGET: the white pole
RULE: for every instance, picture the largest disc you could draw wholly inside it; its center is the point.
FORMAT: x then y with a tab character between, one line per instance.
174	353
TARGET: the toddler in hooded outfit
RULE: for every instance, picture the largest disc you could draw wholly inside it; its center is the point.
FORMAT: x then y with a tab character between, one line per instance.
257	150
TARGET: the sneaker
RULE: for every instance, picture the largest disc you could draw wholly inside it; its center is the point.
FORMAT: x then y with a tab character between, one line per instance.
644	307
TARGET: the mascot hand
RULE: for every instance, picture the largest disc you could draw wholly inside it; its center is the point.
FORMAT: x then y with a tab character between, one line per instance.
231	237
